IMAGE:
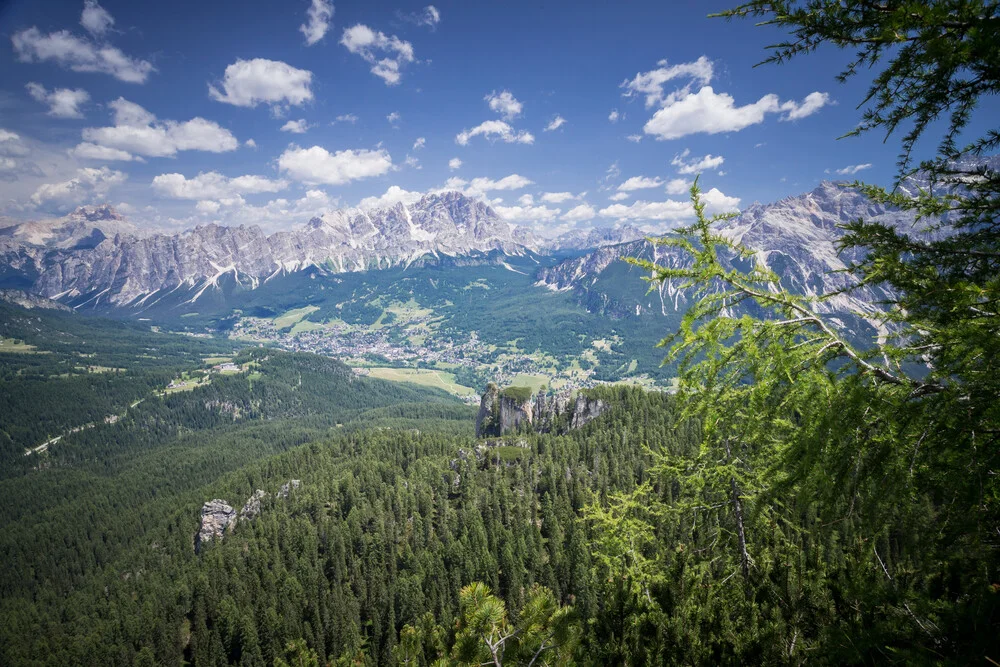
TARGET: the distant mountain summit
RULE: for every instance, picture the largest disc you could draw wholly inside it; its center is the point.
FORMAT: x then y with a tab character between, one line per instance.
94	255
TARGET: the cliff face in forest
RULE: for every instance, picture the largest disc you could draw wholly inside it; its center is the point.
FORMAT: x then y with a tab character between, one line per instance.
516	410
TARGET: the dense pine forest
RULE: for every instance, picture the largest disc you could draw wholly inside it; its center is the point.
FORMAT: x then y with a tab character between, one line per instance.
801	498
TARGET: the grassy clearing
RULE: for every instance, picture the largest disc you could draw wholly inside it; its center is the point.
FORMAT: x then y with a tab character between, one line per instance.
212	361
305	325
293	316
99	369
534	382
18	346
424	377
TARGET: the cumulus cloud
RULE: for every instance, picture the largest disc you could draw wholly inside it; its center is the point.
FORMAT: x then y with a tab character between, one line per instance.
614	116
392	196
619	196
278	213
95	18
346	118
393	118
652	83
250	143
138	131
299	126
318	21
88	151
419	143
527	214
247	83
634	138
479	187
853	169
555	123
580	213
87	185
79	55
640	183
495	129
669	210
454	163
557	197
709	112
696	165
677	186
385	53
213	185
505	104
62	102
316	165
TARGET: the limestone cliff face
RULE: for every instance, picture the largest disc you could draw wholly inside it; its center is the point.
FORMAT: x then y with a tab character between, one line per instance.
586	410
216	515
516	410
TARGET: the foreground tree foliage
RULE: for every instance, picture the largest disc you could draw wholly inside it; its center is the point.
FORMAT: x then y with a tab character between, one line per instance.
843	506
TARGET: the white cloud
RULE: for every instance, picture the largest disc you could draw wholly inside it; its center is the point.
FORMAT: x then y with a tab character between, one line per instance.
211	207
669	210
527	214
677	186
419	143
213	185
634	138
79	55
640	183
7	135
431	16
619	196
367	43
454	163
62	102
498	129
319	14
614	116
299	126
850	170
696	165
716	202
247	83
526	200
393	118
580	213
87	185
557	197
95	18
316	165
412	162
394	195
711	113
250	143
812	103
88	151
555	123
505	104
651	83
479	187
138	131
346	118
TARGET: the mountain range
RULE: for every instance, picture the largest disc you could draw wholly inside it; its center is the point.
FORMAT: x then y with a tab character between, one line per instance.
94	258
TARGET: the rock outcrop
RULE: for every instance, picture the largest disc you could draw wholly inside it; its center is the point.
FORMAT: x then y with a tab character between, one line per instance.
216	516
516	410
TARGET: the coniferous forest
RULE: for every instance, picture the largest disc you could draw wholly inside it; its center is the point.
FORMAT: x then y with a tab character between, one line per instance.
801	498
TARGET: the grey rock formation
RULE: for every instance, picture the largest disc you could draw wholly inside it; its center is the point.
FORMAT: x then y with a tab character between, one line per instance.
586	410
597	237
28	300
288	487
251	508
516	410
216	516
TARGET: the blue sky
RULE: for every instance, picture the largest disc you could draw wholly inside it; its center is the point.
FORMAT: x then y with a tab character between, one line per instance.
174	111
